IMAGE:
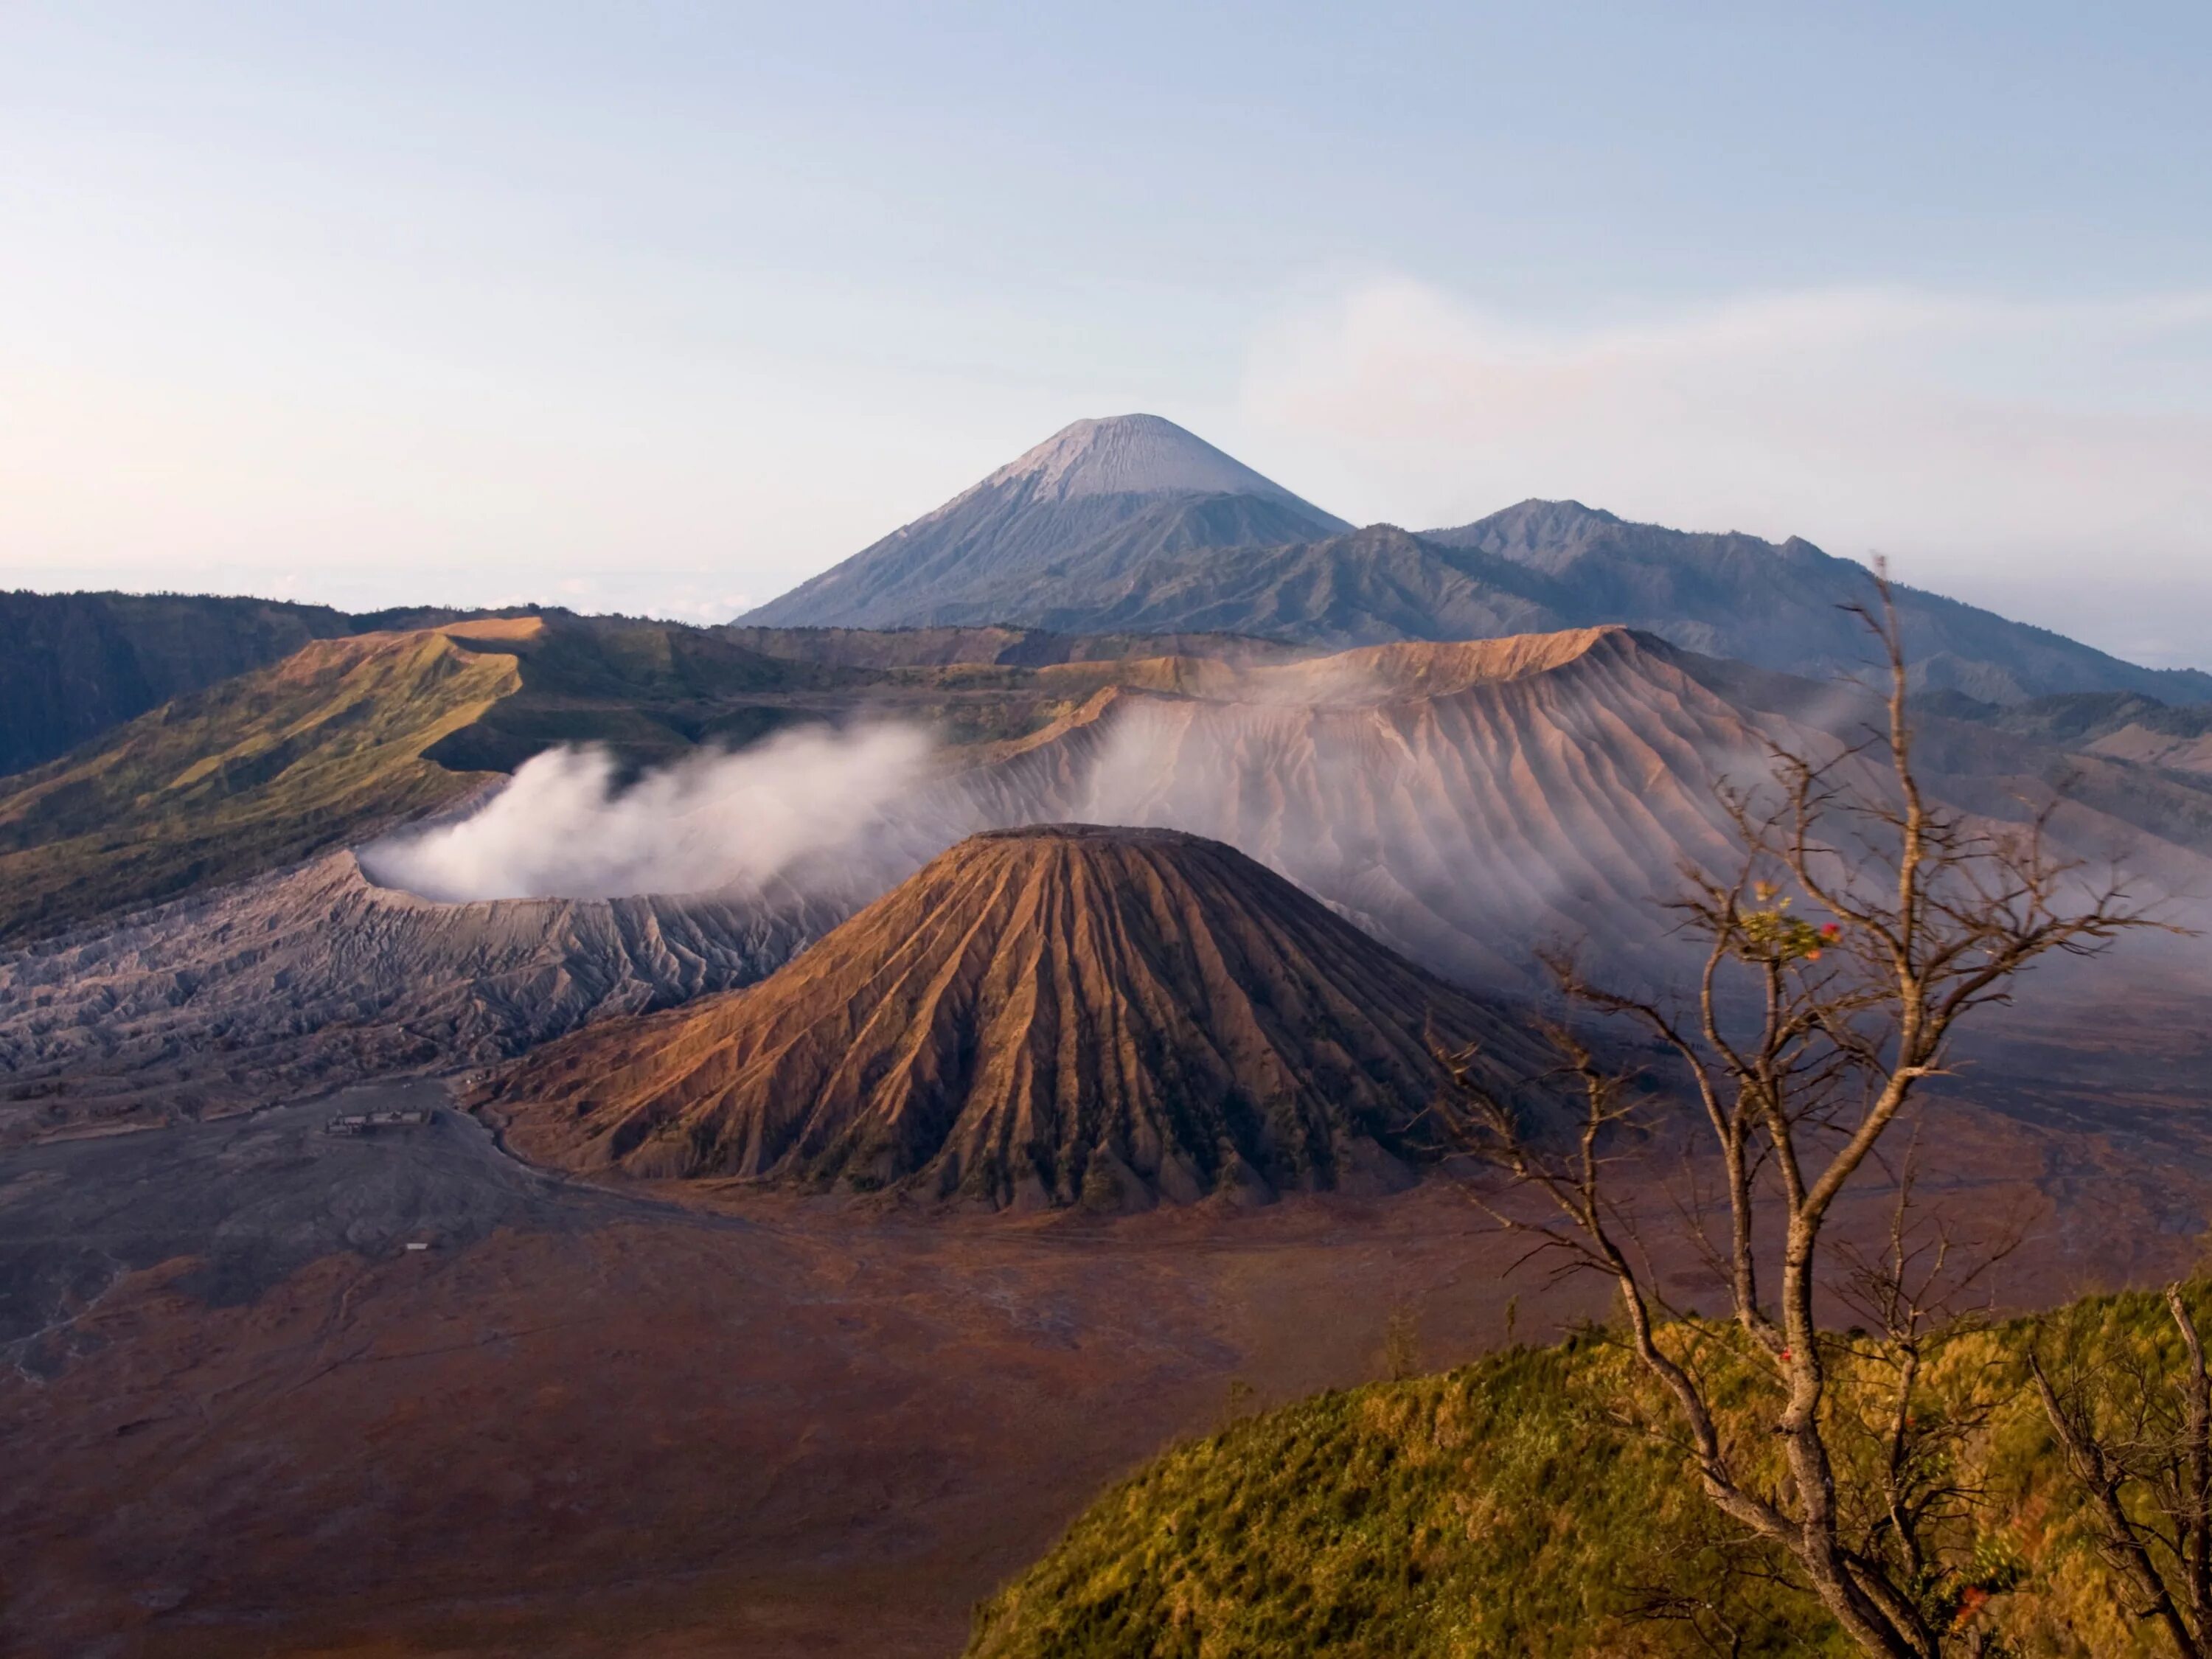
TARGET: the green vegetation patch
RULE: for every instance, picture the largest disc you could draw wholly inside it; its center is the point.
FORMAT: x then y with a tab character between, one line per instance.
253	773
1487	1512
1520	1509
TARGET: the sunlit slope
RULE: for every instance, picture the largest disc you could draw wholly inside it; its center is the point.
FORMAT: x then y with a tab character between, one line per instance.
1462	802
1506	1511
347	735
1467	802
650	692
257	771
77	665
1044	1016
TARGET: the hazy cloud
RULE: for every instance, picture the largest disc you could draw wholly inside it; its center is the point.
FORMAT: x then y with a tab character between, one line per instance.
563	827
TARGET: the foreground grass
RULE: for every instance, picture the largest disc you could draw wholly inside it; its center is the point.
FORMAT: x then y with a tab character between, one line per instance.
1519	1507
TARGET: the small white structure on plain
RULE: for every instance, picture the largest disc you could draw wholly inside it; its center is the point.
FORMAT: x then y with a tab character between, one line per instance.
418	1243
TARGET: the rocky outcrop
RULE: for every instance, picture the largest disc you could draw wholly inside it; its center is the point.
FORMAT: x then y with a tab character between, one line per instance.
304	980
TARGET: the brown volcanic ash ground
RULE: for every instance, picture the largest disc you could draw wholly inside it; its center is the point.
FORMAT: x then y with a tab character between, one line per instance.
1041	1017
591	1423
588	1424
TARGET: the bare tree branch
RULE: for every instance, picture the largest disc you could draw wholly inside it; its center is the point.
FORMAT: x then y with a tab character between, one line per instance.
1863	922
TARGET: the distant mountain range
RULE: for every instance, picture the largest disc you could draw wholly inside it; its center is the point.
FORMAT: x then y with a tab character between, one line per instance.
1112	539
158	743
1133	524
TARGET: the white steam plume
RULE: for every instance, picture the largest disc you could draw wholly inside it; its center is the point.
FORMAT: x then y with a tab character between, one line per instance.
563	828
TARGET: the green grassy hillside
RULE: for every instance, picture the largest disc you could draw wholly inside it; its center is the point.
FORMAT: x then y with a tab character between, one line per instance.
252	773
346	736
78	664
1504	1511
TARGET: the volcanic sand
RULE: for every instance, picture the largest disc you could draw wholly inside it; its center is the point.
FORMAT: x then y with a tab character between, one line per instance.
244	1419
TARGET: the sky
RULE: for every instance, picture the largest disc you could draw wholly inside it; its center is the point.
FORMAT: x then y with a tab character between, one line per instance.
664	307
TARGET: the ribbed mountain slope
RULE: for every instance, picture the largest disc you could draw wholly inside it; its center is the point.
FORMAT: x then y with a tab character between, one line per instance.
1091	501
294	983
1047	1016
1466	802
1362	588
1460	802
987	646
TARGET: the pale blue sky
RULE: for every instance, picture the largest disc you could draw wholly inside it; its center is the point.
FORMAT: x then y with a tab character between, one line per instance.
666	307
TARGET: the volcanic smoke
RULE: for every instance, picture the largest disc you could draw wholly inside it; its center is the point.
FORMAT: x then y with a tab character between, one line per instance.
565	826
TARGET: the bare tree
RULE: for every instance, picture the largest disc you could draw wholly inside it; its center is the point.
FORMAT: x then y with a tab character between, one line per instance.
1861	925
2138	1435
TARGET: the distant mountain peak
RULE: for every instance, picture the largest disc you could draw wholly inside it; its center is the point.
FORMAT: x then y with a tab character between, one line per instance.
1131	455
1536	523
1101	496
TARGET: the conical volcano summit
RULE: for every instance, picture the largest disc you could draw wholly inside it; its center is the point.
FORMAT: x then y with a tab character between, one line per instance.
1039	1018
1099	497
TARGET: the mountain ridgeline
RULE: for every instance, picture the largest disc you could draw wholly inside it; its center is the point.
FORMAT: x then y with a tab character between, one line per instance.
78	664
1113	539
1132	524
352	733
1460	804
